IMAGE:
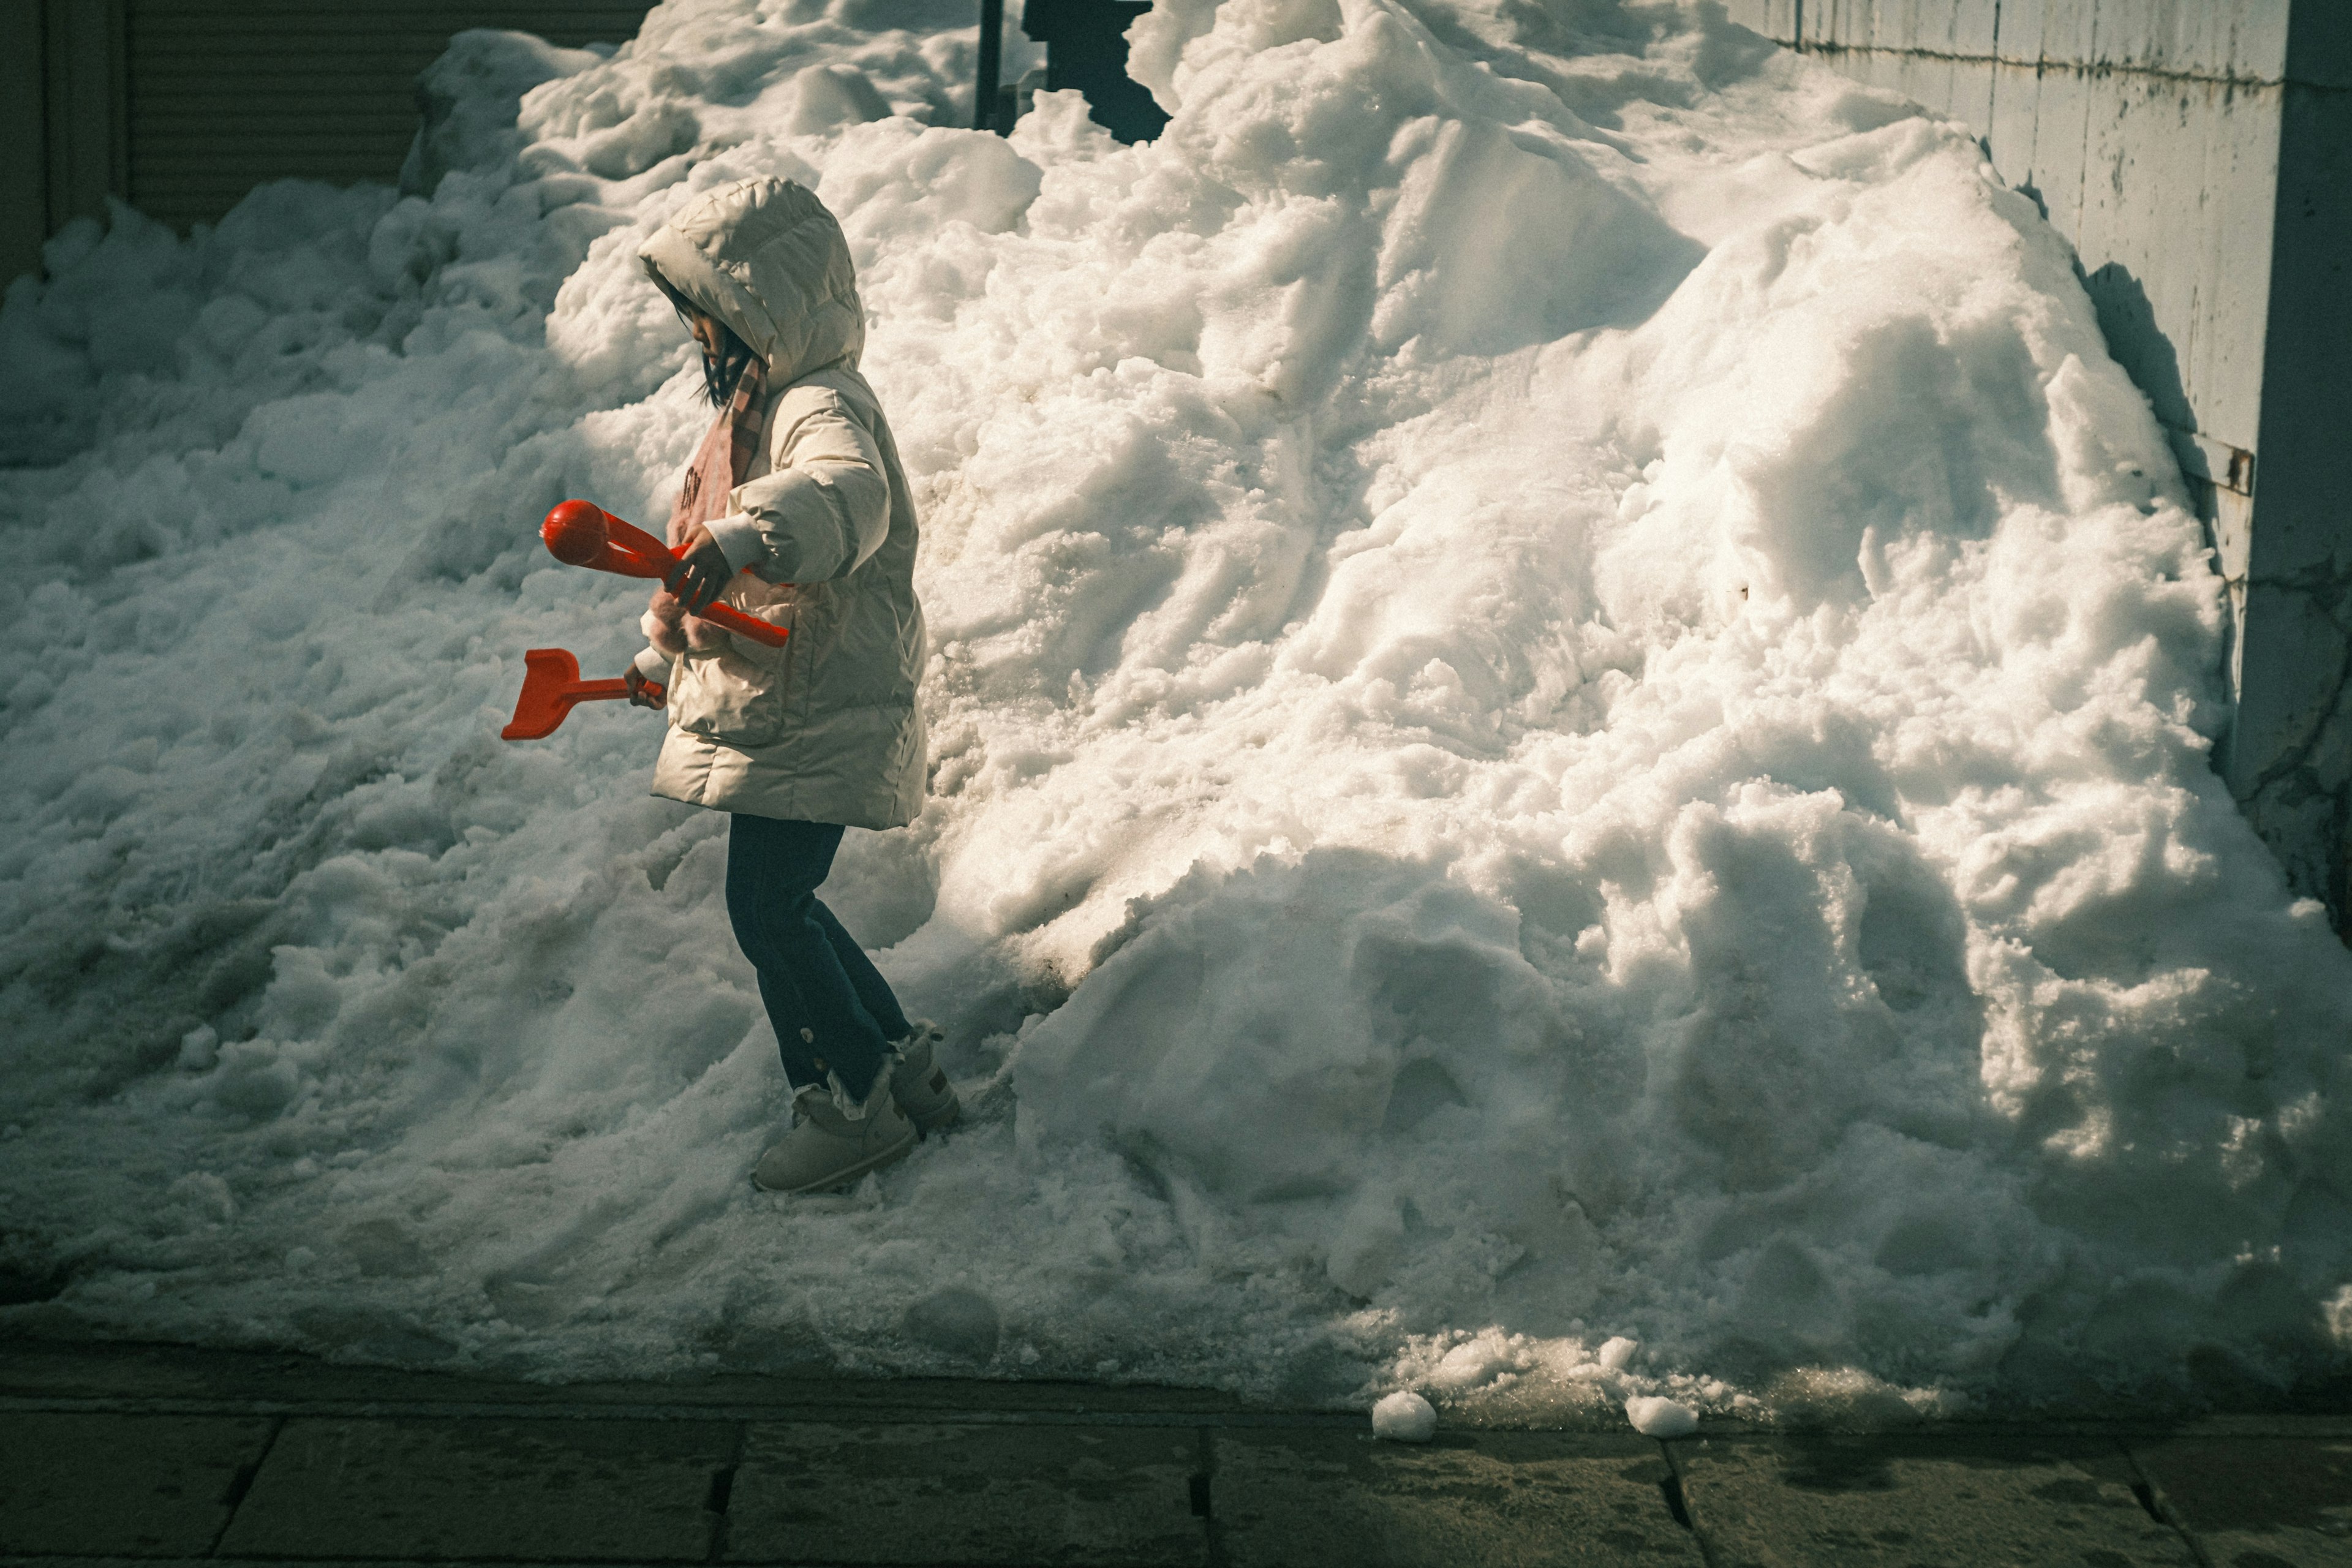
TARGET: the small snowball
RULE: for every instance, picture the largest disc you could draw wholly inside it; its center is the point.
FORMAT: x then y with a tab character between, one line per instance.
199	1048
1404	1417
1655	1417
1616	1352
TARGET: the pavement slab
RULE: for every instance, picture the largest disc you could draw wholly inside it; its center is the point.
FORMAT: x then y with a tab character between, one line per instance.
167	1457
1941	1500
2257	1503
901	1493
144	1485
151	1377
1500	1499
438	1490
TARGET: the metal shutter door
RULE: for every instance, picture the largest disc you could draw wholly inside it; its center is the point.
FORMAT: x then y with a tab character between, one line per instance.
226	94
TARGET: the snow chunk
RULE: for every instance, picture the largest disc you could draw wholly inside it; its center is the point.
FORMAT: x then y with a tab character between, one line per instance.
1472	1363
1404	1417
1655	1416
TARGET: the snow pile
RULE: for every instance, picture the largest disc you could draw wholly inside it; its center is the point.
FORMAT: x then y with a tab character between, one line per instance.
1404	1417
1570	705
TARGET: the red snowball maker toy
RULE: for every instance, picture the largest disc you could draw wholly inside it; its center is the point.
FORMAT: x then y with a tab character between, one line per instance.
579	533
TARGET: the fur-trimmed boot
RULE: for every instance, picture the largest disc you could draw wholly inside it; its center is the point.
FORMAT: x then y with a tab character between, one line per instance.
833	1142
920	1088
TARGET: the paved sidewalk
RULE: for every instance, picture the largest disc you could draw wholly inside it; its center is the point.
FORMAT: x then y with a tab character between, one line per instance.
161	1455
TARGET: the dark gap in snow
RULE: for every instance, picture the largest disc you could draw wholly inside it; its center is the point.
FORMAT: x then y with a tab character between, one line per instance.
1203	1506
242	1482
722	1488
1670	1486
2156	1511
716	1500
22	1286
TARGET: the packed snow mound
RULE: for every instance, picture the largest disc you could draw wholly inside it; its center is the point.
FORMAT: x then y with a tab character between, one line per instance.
1571	706
1404	1417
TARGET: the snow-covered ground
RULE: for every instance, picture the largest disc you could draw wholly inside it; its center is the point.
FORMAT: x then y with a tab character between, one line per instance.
1570	709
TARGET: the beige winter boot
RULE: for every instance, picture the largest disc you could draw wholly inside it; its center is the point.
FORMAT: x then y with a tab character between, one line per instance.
921	1090
830	1147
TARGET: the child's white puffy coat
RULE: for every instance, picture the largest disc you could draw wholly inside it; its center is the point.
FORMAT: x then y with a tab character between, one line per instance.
827	728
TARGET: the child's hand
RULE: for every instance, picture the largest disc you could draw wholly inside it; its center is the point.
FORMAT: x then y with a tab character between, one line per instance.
702	569
644	694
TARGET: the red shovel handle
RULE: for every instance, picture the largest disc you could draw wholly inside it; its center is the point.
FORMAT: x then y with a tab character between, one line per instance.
581	534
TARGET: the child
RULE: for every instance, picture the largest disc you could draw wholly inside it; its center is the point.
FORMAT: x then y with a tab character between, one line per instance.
795	510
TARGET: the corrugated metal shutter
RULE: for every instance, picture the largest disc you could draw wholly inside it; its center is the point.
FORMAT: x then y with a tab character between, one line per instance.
226	94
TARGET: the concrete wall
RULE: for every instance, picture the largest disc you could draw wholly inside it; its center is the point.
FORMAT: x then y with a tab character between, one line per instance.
2199	155
2291	760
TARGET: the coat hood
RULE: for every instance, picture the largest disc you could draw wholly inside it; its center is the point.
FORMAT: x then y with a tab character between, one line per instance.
767	259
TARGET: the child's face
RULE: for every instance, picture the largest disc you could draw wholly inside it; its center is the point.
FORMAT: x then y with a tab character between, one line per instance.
706	332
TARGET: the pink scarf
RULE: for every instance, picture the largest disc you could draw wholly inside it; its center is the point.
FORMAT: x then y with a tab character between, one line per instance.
719	466
725	455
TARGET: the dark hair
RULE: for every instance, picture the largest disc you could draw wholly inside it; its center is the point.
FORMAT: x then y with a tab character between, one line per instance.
723	370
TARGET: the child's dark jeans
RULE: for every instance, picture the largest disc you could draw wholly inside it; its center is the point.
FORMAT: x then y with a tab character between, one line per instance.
832	1008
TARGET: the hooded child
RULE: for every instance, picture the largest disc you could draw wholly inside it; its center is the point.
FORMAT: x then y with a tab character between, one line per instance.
795	510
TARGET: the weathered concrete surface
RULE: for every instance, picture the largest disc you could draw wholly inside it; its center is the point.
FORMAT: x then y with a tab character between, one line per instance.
141	1455
535	1490
162	1377
921	1494
138	1486
1969	1501
2257	1503
1302	1500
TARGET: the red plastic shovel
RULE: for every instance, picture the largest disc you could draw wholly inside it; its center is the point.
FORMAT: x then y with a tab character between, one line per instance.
551	685
581	534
